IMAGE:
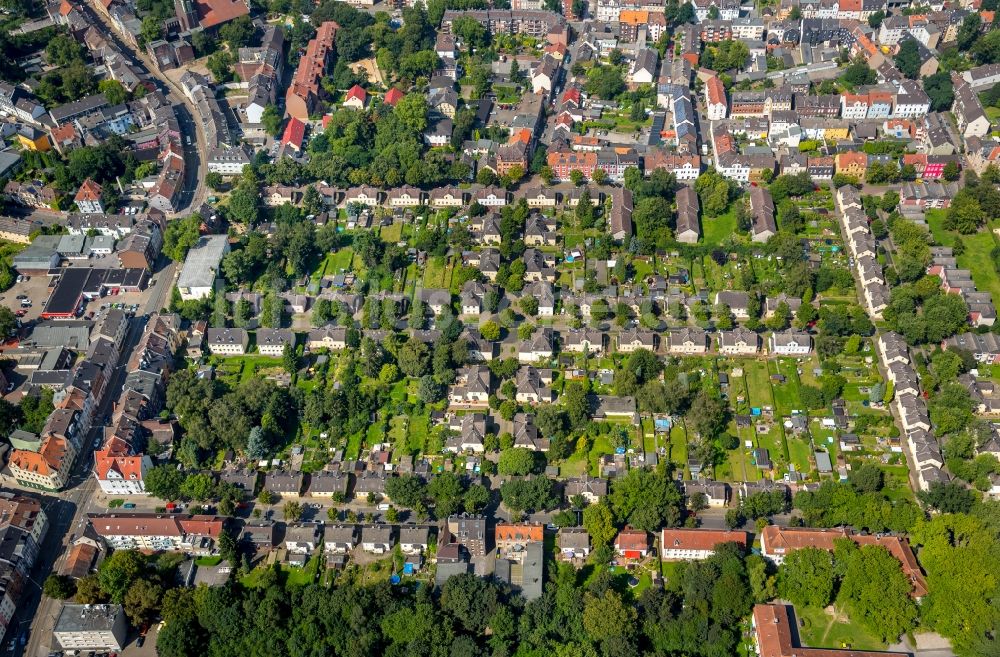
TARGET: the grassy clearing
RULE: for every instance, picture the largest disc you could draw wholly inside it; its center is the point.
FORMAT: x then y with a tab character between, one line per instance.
437	272
717	230
392	233
758	384
822	630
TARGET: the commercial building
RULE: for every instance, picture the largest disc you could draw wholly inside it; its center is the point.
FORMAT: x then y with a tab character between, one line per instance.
91	627
201	267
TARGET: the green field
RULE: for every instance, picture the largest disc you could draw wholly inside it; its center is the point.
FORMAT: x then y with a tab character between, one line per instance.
976	257
758	384
437	272
718	230
821	630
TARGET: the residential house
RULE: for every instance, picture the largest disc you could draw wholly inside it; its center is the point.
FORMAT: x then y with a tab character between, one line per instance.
739	342
681	544
688	340
790	343
376	539
632	543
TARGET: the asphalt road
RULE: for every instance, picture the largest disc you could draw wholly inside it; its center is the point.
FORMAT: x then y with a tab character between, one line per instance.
66	511
195	154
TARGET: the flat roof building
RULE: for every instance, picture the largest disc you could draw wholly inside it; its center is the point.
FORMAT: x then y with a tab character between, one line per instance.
91	627
201	267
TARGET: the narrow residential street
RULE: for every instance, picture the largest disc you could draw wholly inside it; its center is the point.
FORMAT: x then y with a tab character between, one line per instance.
193	194
66	511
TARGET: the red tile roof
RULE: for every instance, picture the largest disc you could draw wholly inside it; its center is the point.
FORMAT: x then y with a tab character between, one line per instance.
774	637
519	532
356	92
217	12
393	96
572	94
790	539
312	65
699	539
716	91
89	191
128	467
295	132
632	539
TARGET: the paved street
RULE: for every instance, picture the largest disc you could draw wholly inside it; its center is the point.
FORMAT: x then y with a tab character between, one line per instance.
195	153
66	512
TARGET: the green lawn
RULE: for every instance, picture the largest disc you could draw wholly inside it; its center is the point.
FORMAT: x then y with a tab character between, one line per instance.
437	273
786	395
819	630
718	230
976	257
758	384
392	233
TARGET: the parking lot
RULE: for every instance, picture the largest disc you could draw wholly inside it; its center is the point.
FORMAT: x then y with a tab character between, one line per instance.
36	290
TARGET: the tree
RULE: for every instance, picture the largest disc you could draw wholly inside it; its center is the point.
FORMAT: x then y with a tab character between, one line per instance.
428	389
470	600
806	577
646	500
490	330
516	461
142	601
858	73
214	180
868	478
59	587
584	211
290	359
113	91
271	120
164	482
238	32
877	592
941	91
965	214
292	511
599	523
708	414
119	571
406	490
608	616
950	497
414	358
8	322
198	486
476	498
243	204
605	82
88	590
522	494
908	58
180	236
151	29
952	171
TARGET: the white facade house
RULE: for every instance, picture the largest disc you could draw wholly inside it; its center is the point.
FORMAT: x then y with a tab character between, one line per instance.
791	343
227	342
121	475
